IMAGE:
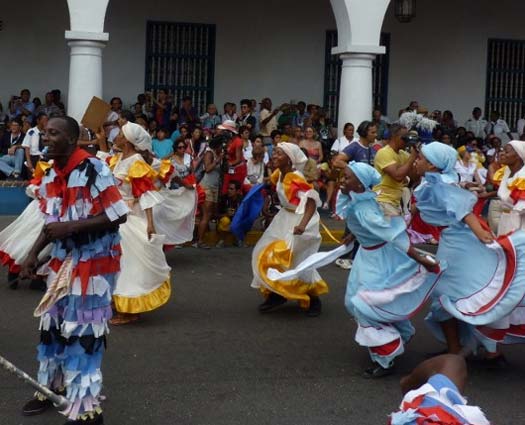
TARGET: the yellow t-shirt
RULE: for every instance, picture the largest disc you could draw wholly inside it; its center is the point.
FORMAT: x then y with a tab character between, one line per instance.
389	189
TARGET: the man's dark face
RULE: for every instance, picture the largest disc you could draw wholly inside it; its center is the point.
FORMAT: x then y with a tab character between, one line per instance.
232	191
301	106
476	113
245	109
494	116
25	95
141	98
266	104
14	127
187	104
288	130
116	105
57	139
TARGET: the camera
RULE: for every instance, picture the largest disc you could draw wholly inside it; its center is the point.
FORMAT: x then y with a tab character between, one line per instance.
411	140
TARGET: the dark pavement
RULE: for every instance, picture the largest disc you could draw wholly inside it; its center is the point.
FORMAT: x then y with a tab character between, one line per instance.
208	357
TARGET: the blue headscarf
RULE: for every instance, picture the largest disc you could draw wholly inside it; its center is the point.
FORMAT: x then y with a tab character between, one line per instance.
442	157
366	174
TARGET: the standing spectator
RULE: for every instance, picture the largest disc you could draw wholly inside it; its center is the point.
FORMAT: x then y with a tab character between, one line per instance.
301	116
466	168
247	119
498	127
57	95
244	133
162	109
268	122
394	164
33	143
380	123
195	143
476	124
340	144
448	124
11	148
287	134
22	106
258	141
520	126
229	112
210	184
162	145
188	114
49	107
324	127
111	125
234	155
211	119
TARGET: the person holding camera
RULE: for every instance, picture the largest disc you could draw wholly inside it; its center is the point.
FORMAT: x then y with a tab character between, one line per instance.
210	183
395	164
21	106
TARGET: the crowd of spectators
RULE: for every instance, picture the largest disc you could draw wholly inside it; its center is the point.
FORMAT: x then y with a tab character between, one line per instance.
250	132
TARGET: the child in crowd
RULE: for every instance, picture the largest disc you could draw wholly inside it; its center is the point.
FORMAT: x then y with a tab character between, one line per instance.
162	145
227	208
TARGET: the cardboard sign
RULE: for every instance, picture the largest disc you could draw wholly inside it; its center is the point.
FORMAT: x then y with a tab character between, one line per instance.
96	114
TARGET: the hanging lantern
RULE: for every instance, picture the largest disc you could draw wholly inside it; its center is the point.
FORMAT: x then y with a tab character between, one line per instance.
405	10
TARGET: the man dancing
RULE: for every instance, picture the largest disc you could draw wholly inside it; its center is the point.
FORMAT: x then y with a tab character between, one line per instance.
83	210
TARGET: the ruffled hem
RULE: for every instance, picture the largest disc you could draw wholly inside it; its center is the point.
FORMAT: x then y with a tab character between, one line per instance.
144	303
6	260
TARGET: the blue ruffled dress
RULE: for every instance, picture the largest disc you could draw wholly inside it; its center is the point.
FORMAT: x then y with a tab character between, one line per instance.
385	287
482	283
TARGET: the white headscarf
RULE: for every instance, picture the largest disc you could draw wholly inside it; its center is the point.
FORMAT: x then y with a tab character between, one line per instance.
137	136
519	147
295	154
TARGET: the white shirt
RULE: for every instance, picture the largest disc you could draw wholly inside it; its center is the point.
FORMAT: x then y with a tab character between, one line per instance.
32	141
500	129
477	127
340	144
520	126
466	172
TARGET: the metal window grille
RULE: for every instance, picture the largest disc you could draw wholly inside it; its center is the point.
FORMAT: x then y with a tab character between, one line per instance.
332	81
505	90
180	58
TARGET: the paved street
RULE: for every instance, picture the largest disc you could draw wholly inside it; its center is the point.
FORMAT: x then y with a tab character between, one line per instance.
209	357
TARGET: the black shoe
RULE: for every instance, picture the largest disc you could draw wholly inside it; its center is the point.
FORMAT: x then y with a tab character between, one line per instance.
36	407
12	280
378	371
97	420
38	285
274	300
494	363
315	307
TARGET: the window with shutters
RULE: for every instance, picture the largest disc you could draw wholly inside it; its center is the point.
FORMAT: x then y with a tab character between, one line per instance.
332	79
180	58
505	90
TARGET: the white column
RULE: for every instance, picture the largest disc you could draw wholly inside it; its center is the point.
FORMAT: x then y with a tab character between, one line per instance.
86	40
359	25
85	71
355	95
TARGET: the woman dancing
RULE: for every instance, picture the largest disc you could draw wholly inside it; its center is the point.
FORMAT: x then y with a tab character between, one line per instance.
144	280
485	279
292	236
389	280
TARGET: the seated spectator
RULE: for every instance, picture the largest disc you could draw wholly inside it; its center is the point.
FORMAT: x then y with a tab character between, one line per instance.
259	141
152	129
111	125
33	144
314	148
211	119
22	106
301	116
162	109
380	123
57	100
12	161
276	139
162	145
229	112
348	137
49	107
298	133
255	168
325	129
467	169
244	134
310	171
183	132
194	144
287	133
227	208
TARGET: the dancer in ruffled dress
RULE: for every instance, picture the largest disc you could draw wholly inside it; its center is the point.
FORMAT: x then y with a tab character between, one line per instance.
144	281
389	280
17	239
485	278
292	236
175	216
83	209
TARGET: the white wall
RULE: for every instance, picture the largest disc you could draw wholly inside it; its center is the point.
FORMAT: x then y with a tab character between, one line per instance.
275	49
440	58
